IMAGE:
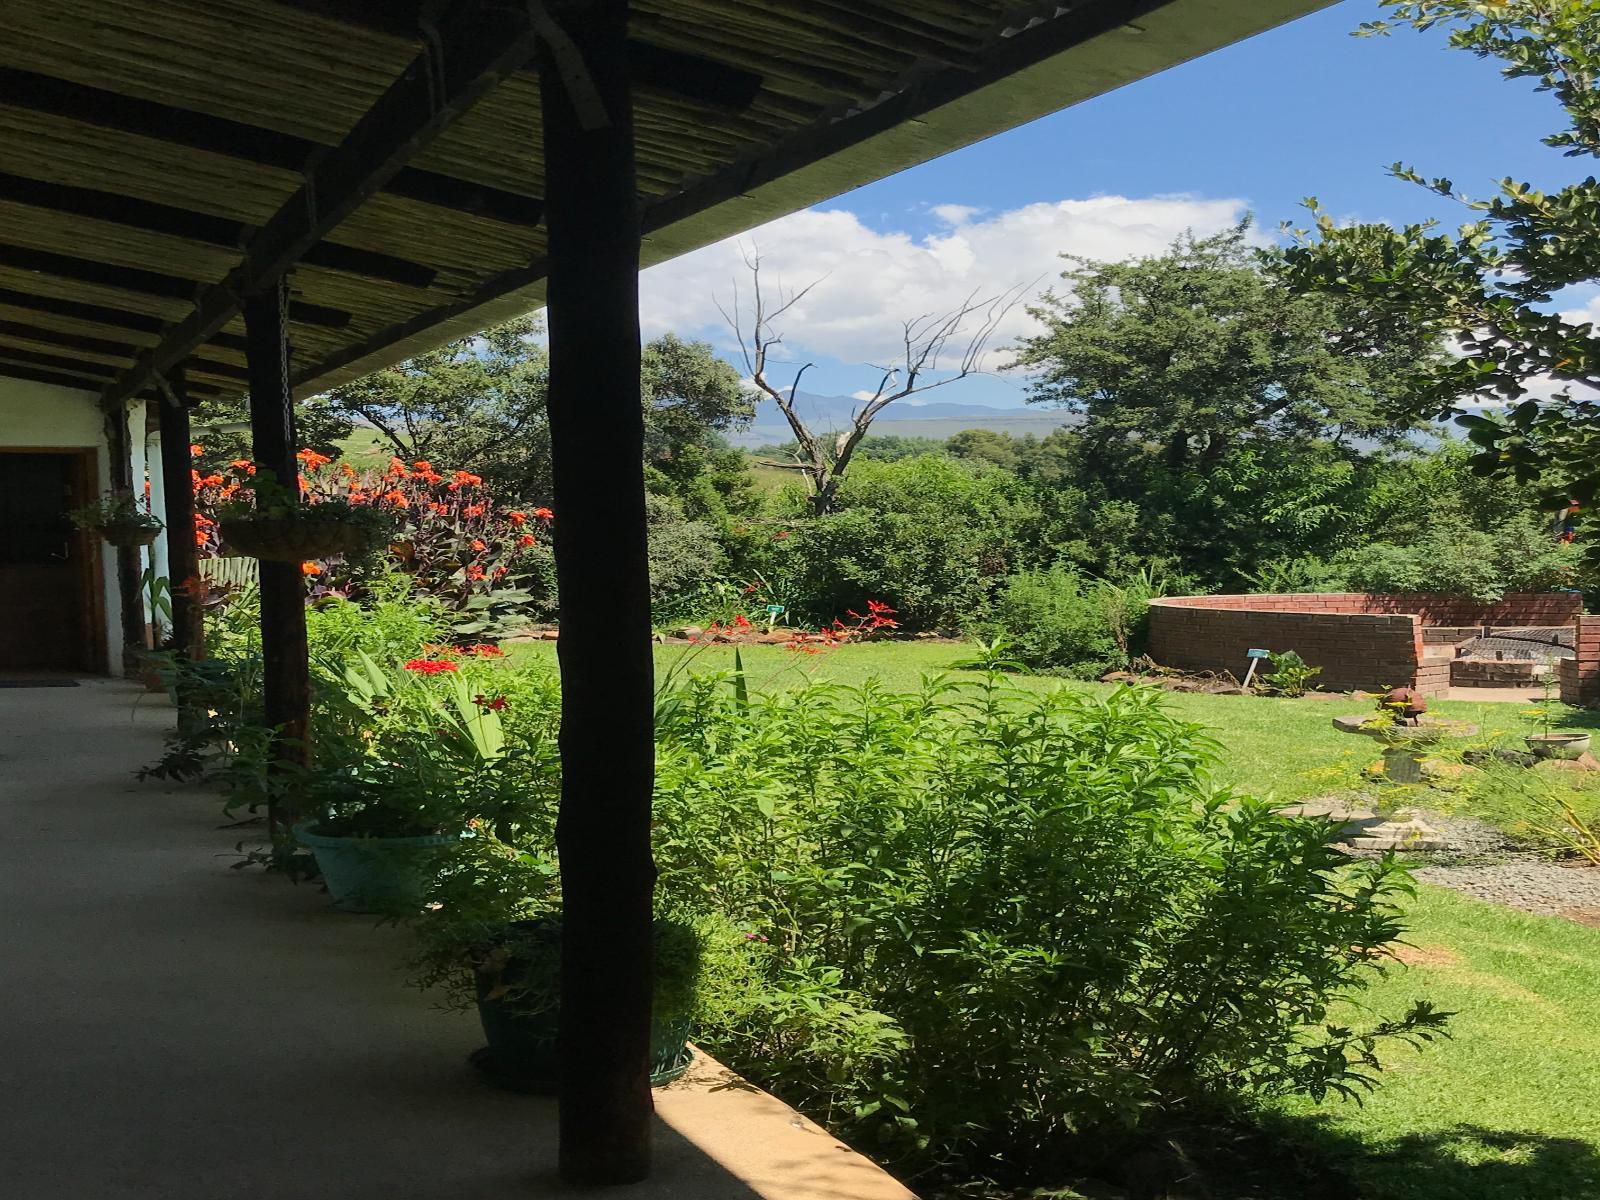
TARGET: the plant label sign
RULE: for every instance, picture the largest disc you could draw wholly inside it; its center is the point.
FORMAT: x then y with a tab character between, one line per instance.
775	611
1258	653
1255	656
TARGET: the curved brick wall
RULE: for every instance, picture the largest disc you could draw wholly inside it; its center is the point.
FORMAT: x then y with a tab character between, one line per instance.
1359	639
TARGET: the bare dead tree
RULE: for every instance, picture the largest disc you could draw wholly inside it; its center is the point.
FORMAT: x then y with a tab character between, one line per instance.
924	340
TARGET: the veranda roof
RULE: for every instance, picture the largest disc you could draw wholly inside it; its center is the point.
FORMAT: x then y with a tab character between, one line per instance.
144	145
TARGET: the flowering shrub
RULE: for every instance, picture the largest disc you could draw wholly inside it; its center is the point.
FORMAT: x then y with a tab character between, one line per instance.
451	539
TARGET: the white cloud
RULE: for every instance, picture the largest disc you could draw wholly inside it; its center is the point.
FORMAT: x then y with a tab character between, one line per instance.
868	282
864	394
955	214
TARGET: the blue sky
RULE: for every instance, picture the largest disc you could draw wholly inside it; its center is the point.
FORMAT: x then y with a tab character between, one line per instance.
1301	110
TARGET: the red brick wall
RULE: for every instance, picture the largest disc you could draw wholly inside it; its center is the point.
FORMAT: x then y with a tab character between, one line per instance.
1518	608
1580	675
1360	640
1354	650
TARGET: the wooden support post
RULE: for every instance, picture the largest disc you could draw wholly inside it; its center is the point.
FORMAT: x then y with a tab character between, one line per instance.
183	568
119	441
607	696
286	673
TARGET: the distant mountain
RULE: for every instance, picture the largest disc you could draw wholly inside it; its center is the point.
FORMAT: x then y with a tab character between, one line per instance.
939	420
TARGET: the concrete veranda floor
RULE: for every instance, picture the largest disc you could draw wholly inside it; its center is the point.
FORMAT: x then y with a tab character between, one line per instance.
173	1029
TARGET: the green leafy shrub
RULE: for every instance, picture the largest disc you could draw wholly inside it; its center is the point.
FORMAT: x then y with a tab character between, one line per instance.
1291	675
995	929
1059	620
1519	554
931	536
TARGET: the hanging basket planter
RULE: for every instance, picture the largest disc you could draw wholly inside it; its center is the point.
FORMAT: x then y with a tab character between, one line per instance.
293	538
132	533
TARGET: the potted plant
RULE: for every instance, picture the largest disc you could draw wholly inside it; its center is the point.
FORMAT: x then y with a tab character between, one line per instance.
491	940
278	526
379	829
1548	743
119	519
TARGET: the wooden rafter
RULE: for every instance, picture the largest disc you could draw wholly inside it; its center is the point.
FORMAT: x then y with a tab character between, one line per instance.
201	227
690	76
473	49
143	282
34	92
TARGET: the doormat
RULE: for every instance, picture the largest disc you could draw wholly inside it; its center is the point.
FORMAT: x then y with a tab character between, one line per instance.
37	683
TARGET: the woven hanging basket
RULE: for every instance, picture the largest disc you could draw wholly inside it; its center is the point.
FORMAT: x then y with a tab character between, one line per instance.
282	539
130	535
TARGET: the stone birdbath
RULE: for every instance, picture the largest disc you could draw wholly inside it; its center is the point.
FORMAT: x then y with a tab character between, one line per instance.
1405	742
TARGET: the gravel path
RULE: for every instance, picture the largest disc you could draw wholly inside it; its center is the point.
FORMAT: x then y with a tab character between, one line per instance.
1533	886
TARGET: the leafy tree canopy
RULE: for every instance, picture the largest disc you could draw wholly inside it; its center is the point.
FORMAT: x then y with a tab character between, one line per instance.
1202	348
479	403
1491	284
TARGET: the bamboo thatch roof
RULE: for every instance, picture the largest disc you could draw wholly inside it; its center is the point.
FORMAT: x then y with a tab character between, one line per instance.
142	142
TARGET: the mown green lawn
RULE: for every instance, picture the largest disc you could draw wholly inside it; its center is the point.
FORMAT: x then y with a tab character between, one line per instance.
1509	1107
1285	748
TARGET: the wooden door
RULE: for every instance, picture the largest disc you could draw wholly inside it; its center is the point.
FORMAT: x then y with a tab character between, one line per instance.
48	609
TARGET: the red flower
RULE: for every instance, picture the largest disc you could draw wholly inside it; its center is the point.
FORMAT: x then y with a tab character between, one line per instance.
196	449
474	510
544	514
741	621
396	498
517	518
486	650
430	666
312	459
498	704
526	540
479	545
474	573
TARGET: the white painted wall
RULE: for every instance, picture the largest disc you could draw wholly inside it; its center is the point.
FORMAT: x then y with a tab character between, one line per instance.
36	415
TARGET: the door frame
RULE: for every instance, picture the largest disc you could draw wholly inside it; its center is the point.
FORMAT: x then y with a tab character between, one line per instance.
89	551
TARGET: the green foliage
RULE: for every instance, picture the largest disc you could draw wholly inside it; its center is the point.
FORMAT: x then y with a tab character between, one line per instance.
1291	675
995	928
931	536
1057	619
1492	283
1518	555
1192	352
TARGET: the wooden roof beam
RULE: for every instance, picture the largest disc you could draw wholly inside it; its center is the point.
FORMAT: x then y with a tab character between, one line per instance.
245	143
200	227
145	283
105	347
99	314
689	76
473	48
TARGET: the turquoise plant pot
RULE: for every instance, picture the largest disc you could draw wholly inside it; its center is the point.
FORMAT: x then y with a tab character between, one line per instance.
522	1053
375	874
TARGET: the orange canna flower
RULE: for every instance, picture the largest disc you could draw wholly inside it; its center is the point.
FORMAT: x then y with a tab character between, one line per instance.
310	568
479	545
544	514
196	449
517	518
526	540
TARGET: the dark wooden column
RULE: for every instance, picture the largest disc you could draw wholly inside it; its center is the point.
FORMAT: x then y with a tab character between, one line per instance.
286	681
183	569
119	441
607	696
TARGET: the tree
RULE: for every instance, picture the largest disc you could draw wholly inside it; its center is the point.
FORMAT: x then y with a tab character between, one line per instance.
1202	349
478	403
924	340
1490	285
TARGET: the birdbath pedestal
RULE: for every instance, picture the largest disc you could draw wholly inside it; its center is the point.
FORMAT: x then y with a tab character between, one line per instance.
1405	745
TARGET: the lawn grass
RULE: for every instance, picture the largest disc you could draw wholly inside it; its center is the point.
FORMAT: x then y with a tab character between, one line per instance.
1507	1109
1278	747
